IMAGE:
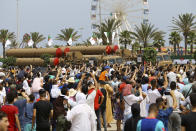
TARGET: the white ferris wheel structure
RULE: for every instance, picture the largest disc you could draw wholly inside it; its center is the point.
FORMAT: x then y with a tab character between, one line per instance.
129	12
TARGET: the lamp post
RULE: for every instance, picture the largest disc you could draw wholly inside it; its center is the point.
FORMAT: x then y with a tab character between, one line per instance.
17	20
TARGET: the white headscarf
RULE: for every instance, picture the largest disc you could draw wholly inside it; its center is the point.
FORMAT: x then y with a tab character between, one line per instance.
80	98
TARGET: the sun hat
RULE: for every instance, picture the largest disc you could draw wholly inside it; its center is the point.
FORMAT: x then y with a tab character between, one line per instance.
2	74
71	80
72	92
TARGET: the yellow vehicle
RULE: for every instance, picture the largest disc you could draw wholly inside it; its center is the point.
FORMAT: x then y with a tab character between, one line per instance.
110	59
163	59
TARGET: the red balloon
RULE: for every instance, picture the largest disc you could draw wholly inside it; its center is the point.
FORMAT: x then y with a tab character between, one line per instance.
108	49
56	61
115	48
66	50
59	52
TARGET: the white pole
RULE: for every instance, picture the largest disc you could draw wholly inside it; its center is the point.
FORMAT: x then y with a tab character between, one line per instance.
17	20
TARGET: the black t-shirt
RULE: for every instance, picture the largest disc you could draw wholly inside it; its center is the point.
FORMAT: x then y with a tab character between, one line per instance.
43	109
103	105
131	123
188	121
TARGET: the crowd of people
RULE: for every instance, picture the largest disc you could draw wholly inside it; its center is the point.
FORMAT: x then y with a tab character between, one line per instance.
89	97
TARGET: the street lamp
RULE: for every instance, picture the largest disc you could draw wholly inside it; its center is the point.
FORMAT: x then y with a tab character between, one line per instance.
17	21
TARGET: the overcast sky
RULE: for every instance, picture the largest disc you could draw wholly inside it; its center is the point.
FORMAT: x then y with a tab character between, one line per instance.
50	16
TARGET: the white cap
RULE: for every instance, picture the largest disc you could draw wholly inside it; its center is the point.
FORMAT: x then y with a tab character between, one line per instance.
2	74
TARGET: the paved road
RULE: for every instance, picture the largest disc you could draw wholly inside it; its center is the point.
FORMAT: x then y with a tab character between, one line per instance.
113	128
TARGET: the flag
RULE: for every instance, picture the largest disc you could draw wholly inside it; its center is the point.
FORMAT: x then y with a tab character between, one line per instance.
92	40
70	40
113	35
50	41
107	35
30	42
8	42
100	41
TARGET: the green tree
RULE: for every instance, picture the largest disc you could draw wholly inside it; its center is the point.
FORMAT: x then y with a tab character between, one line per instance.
68	33
125	38
144	33
192	40
136	46
87	42
14	44
109	26
175	39
36	38
185	23
150	54
4	36
158	40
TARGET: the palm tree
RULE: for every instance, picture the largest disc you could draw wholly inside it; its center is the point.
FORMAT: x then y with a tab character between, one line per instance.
4	36
175	39
159	40
125	38
68	33
184	24
14	44
87	42
136	46
192	40
144	33
109	26
36	38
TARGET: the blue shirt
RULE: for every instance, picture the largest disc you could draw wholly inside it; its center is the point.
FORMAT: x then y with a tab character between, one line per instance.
163	115
29	113
148	124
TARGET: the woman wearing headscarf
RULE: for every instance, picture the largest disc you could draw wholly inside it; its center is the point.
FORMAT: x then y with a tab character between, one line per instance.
81	115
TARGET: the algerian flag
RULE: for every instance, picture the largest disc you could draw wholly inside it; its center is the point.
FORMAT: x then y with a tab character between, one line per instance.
70	40
100	41
92	40
8	42
50	41
107	35
30	42
113	35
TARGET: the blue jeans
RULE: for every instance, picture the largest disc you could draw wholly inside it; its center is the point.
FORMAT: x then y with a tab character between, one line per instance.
36	94
99	114
28	127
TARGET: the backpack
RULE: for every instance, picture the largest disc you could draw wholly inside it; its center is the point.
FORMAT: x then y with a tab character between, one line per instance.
62	123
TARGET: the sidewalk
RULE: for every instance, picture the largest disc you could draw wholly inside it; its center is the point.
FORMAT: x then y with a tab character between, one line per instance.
113	128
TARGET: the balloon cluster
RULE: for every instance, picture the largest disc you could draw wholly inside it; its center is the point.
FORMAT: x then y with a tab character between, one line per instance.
59	52
109	49
66	50
56	61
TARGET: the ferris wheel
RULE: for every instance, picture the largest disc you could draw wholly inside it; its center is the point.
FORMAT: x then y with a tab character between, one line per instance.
129	12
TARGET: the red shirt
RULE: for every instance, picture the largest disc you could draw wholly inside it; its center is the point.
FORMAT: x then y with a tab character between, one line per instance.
96	102
11	111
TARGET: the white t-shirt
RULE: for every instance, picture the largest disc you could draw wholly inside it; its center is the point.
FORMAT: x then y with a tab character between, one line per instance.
2	96
129	100
90	99
82	118
153	95
55	91
178	96
172	77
